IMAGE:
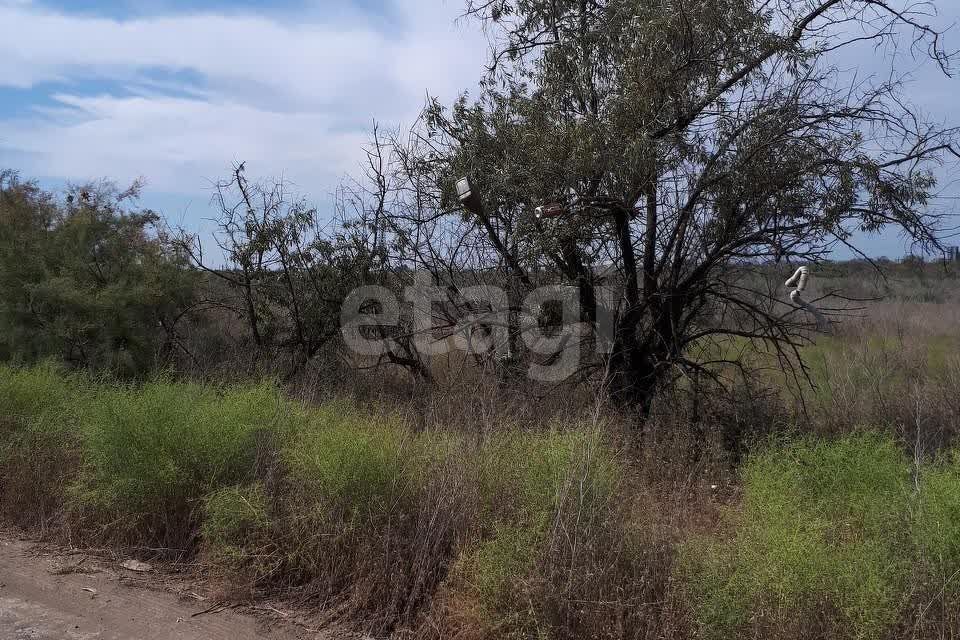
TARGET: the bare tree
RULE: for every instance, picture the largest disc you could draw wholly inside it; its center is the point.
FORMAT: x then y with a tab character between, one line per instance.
287	271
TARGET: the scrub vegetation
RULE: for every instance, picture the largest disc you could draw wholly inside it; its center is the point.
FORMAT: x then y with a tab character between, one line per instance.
563	530
714	461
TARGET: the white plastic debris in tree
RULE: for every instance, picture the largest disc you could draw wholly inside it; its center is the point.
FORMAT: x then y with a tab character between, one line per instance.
799	280
550	210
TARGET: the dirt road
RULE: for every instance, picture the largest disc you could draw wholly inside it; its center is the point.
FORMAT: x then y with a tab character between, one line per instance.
51	597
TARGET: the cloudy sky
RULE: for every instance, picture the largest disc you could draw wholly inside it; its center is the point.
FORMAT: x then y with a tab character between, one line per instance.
177	90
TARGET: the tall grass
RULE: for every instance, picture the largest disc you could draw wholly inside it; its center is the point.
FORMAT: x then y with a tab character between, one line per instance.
831	539
39	442
368	523
375	523
526	484
557	532
152	453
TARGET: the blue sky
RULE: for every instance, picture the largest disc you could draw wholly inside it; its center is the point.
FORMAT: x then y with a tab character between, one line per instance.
177	90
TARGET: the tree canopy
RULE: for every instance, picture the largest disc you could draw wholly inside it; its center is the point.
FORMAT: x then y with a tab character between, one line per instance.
86	278
686	143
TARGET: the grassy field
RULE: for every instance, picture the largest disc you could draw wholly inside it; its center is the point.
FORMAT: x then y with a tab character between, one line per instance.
462	510
558	531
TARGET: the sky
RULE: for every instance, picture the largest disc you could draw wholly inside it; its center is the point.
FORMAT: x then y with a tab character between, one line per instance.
177	91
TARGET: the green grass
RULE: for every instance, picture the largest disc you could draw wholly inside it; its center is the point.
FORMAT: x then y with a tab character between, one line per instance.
359	505
39	441
44	393
937	523
153	452
236	528
374	517
346	461
830	531
526	480
874	362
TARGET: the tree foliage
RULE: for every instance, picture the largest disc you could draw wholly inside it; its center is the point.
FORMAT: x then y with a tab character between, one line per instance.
87	279
690	143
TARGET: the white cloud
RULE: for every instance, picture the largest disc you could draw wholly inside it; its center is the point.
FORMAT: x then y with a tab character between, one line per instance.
286	97
184	142
288	93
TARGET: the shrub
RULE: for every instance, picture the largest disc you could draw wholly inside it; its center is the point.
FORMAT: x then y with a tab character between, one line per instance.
236	531
38	441
370	514
819	541
936	597
350	464
937	527
44	391
233	514
151	454
535	489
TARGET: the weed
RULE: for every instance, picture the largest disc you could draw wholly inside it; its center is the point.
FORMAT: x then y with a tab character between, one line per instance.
151	454
820	535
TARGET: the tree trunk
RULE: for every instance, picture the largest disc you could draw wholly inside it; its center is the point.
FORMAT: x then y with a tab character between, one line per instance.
633	377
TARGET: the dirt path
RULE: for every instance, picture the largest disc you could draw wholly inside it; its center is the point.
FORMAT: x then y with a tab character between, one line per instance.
51	597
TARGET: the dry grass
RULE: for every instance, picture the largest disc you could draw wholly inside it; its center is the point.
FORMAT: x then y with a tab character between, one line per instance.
479	507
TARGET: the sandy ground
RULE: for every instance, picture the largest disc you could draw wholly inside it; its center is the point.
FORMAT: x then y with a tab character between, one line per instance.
57	596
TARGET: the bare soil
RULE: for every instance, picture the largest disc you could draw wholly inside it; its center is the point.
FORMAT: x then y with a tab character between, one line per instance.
60	595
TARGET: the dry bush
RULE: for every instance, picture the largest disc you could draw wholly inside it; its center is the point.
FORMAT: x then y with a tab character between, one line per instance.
579	542
363	521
